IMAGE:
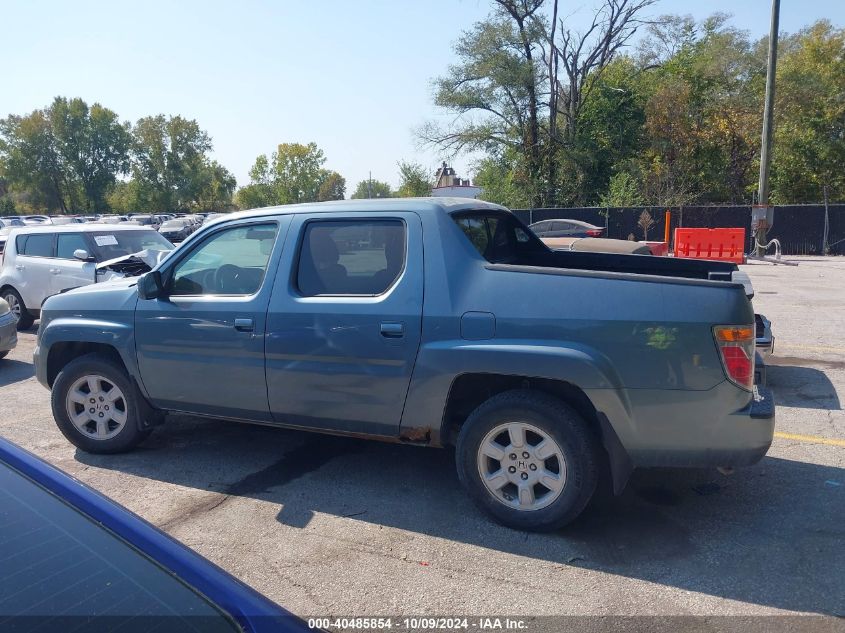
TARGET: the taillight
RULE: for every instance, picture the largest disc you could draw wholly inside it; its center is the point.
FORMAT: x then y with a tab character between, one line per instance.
594	232
736	346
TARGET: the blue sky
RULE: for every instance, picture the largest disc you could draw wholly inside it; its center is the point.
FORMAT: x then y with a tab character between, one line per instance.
352	76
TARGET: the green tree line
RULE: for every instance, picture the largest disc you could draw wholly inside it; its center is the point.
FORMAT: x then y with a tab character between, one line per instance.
74	158
566	118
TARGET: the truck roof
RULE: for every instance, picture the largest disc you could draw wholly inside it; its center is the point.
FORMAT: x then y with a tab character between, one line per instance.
373	205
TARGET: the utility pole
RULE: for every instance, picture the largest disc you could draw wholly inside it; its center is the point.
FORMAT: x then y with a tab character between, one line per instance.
370	186
764	215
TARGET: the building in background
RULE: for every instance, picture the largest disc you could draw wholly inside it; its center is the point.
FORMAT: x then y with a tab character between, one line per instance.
447	184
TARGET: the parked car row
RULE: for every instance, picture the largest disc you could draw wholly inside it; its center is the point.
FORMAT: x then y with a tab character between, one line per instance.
41	261
178	225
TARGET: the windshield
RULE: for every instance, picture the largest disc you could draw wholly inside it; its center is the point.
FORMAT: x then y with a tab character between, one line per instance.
112	244
174	224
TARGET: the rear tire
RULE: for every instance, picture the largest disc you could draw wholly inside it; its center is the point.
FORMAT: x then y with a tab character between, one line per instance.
95	406
528	459
25	319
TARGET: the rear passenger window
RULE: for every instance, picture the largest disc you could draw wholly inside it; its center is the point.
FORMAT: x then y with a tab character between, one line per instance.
476	230
37	245
357	257
67	243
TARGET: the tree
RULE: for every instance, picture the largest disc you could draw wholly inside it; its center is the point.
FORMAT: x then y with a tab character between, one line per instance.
520	86
216	186
92	146
169	157
414	180
296	172
494	88
259	192
332	187
623	191
66	156
502	181
31	162
293	174
577	63
809	142
372	189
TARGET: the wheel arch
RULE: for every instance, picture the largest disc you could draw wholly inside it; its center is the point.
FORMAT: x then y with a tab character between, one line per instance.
63	352
469	390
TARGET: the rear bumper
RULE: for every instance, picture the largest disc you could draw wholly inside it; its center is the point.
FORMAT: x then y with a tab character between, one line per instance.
699	430
8	333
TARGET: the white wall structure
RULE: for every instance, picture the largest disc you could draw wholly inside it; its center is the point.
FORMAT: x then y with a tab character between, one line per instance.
448	184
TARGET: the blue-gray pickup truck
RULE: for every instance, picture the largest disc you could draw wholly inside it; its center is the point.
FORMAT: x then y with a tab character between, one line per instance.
444	322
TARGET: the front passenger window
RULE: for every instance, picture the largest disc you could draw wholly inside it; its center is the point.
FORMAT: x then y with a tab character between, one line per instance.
68	243
230	262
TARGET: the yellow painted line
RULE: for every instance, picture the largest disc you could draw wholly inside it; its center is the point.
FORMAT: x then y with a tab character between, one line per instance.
811	348
812	439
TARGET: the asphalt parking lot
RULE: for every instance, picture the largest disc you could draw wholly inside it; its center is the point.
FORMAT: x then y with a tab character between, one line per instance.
327	525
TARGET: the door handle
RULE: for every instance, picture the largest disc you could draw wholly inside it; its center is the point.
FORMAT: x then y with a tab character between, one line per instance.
244	325
392	330
19	266
55	271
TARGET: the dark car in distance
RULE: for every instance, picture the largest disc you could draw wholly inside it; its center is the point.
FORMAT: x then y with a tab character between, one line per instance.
177	229
566	228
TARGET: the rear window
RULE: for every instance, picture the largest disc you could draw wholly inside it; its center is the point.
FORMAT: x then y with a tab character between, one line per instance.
499	237
37	245
58	563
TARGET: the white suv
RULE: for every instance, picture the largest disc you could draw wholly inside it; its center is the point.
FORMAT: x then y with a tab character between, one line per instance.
39	262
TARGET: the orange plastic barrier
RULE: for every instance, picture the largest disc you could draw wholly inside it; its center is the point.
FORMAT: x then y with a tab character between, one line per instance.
725	245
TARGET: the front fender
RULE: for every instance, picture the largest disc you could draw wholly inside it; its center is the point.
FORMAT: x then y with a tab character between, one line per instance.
116	334
439	364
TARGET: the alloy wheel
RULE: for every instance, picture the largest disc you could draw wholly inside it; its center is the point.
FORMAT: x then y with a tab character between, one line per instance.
522	466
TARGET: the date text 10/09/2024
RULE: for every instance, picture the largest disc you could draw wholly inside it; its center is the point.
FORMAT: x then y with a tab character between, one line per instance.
417	624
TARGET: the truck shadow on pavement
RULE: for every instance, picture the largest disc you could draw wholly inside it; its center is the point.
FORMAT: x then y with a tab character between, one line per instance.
796	385
769	535
12	371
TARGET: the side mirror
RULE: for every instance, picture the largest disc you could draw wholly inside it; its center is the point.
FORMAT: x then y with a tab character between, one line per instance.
150	285
83	255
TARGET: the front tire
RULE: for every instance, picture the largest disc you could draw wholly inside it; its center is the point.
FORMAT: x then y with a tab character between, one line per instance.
528	459
25	319
95	406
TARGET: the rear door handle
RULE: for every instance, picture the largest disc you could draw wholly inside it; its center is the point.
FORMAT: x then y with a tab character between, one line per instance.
56	271
392	330
19	266
244	325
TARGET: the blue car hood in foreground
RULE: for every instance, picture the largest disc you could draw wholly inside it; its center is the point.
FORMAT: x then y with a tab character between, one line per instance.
71	559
